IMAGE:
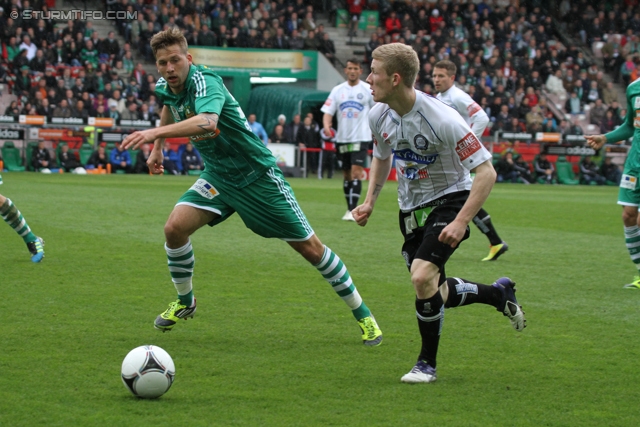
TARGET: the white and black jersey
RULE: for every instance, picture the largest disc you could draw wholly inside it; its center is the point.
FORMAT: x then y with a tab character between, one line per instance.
469	109
432	145
351	105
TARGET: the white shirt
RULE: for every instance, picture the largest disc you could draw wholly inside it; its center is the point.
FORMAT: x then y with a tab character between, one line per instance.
352	104
31	49
469	109
433	147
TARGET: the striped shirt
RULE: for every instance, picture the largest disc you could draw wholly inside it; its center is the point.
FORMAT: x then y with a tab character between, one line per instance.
434	149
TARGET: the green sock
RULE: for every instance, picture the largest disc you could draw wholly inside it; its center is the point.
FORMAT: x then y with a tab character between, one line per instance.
335	272
14	218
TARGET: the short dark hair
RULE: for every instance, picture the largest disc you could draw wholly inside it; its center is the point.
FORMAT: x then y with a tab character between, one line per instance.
447	65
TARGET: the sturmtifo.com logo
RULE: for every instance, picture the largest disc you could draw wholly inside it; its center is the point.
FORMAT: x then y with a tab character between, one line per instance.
75	14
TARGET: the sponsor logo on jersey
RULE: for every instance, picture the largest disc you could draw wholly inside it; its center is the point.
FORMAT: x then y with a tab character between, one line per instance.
467	146
328	102
385	135
636	119
413	172
351	104
205	189
421	142
412	156
636	102
629	182
473	108
208	135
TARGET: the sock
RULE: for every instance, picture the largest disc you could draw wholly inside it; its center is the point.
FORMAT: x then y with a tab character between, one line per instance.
334	271
346	187
14	218
465	292
181	262
482	220
354	195
430	313
632	240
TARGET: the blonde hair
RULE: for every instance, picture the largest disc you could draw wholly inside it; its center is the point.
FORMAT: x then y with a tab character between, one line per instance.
398	58
170	37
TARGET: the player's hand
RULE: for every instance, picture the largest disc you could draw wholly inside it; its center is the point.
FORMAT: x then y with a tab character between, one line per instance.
595	141
136	139
155	162
361	214
453	233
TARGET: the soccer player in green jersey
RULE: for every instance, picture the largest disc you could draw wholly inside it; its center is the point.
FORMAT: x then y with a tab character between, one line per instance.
629	194
240	176
12	216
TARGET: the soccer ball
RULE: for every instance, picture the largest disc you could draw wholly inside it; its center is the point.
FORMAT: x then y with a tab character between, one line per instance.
148	371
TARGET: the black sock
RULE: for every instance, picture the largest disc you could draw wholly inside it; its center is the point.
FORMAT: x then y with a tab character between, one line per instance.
482	220
430	313
465	292
346	187
356	188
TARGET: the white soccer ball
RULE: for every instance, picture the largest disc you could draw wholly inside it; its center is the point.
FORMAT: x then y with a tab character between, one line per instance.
148	371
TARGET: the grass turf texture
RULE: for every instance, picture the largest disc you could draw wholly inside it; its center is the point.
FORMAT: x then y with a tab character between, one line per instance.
272	345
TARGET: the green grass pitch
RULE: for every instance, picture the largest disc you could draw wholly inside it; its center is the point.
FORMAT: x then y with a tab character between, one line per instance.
272	345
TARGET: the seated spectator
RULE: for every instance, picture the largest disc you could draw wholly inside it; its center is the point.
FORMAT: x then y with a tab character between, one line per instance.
141	159
609	94
590	173
611	171
62	110
609	122
131	113
523	169
191	160
554	84
67	159
120	159
544	169
171	159
597	113
40	157
327	48
14	110
505	168
258	129
278	136
99	159
592	93
573	104
291	129
573	129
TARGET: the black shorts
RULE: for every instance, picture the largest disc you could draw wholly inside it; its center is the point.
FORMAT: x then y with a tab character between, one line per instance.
421	228
352	154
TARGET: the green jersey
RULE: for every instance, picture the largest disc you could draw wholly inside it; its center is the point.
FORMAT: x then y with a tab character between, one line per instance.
232	154
630	128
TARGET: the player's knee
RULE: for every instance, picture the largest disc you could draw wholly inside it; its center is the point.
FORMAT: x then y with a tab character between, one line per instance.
629	217
173	230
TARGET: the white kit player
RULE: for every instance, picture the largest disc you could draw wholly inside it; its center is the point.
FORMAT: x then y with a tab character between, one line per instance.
350	102
434	151
444	74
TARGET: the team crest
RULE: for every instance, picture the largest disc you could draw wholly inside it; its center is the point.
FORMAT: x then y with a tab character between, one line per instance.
360	96
189	113
421	142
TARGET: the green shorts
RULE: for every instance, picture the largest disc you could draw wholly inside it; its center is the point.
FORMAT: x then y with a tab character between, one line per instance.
267	206
629	194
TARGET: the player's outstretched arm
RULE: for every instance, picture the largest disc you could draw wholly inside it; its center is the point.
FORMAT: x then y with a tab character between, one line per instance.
377	177
196	125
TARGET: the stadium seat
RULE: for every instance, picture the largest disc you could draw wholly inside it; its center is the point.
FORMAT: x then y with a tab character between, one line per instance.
12	159
85	153
134	157
565	173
